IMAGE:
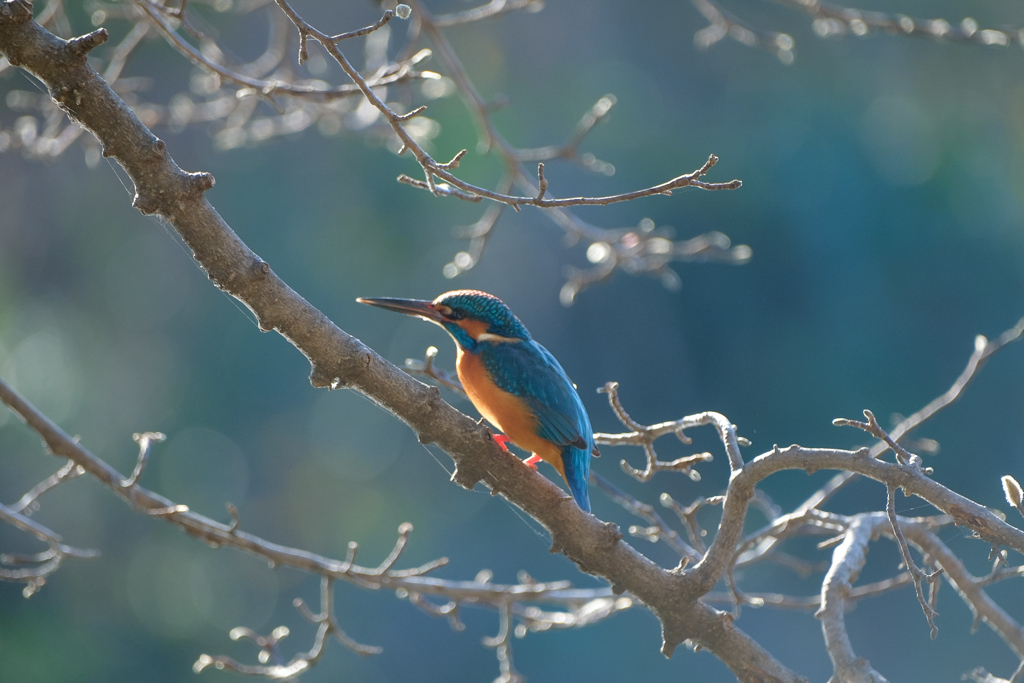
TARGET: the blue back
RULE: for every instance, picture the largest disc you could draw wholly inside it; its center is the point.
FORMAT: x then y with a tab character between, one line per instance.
526	369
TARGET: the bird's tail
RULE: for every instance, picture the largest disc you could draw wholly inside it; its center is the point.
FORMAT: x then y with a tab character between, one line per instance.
577	474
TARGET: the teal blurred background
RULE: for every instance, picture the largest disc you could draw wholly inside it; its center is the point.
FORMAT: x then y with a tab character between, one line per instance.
883	199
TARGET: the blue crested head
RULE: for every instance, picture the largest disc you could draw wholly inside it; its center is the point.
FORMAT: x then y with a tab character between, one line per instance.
472	316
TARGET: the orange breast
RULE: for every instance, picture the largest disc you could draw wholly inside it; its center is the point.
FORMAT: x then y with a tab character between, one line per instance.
505	411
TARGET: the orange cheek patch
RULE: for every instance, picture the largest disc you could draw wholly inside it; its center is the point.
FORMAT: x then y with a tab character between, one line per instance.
473	327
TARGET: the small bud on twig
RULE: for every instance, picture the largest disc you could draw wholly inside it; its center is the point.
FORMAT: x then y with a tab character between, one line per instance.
1014	493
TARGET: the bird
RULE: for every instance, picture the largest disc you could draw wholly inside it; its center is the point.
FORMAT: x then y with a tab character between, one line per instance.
514	382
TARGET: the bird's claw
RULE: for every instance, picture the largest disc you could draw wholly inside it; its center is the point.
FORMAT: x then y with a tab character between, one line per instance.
532	461
501	440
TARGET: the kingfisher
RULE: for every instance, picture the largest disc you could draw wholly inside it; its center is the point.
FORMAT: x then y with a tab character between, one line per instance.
515	383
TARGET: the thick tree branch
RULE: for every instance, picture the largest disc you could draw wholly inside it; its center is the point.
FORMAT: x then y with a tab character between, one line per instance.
847	560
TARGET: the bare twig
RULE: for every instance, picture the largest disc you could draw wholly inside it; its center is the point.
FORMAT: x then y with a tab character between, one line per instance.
327	626
833	20
426	368
903	456
29	502
725	24
501	645
813	602
269	88
385	18
477	234
43	564
145	440
660	530
688	516
492	9
645	436
919	576
980	675
464	190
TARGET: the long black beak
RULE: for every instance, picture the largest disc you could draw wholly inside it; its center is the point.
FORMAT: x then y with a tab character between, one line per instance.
417	307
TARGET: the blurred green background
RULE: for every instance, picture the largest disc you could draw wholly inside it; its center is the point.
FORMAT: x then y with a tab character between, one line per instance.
883	198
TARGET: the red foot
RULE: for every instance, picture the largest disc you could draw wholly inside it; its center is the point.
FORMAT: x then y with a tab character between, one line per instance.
501	440
532	461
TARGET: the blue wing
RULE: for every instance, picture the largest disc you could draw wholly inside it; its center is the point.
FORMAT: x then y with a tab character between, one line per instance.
528	370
